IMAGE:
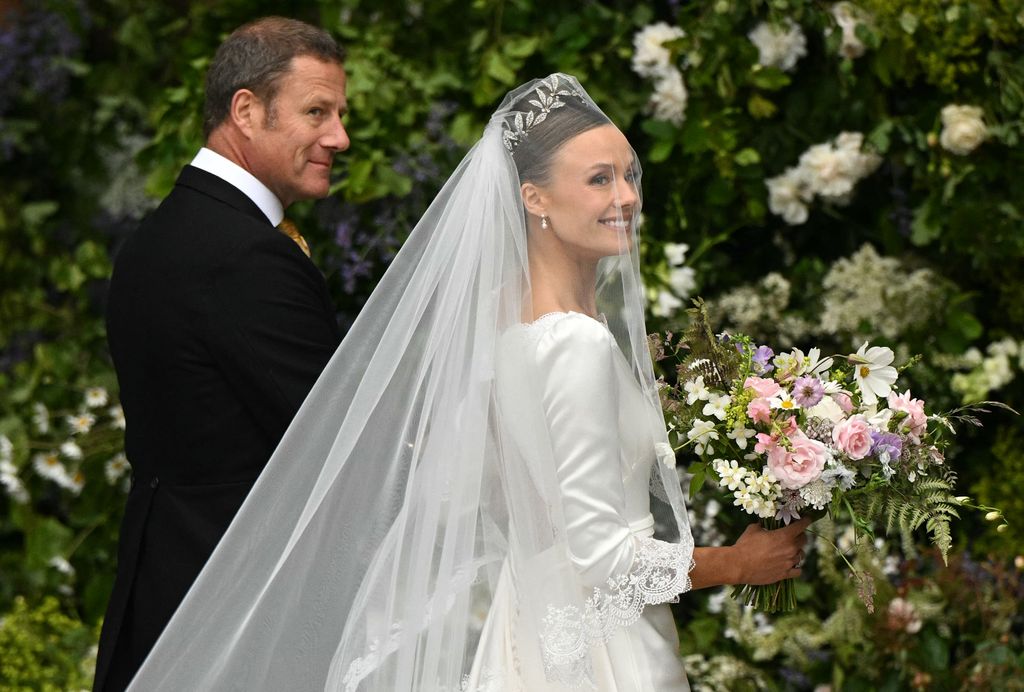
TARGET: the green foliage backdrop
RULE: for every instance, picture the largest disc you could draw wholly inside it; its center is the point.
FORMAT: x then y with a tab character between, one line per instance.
921	250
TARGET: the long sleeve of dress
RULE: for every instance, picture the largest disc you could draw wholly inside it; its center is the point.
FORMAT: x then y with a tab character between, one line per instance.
583	405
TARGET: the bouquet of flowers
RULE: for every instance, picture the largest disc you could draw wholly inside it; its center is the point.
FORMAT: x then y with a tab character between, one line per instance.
793	433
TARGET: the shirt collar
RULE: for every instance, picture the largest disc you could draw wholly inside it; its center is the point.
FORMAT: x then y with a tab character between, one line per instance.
233	174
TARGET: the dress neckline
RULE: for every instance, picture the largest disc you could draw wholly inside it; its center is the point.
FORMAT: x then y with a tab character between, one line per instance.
600	319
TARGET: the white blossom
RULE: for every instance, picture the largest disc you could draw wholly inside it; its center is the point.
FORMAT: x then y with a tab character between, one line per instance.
847	16
683	281
666	304
872	372
6	449
116	414
788	196
732	475
650	57
696	390
740	434
115	468
71	450
668	101
40	417
779	45
81	423
48	466
717	405
702	434
963	129
10	480
675	253
96	397
61	565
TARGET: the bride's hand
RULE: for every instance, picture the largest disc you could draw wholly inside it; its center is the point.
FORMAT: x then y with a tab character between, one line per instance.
767	556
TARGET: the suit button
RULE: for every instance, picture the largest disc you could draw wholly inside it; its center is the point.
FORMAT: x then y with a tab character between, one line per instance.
155	482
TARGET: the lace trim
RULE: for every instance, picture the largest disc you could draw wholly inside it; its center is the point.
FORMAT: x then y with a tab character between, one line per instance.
660	572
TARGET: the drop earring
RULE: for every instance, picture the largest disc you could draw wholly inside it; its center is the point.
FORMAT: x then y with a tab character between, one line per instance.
544	222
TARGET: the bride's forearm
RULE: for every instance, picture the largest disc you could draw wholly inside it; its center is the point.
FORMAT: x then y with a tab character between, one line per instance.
715	567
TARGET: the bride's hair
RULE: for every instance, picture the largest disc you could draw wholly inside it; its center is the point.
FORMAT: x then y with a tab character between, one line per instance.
534	154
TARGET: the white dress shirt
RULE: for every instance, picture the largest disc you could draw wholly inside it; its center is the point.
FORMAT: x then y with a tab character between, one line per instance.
233	174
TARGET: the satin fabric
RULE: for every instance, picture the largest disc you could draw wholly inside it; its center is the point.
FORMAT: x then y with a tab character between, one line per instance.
600	425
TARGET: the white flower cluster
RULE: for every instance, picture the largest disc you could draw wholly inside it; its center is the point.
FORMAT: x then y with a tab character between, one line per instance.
963	129
722	672
115	468
848	16
989	371
755	493
829	170
651	59
9	472
868	289
779	45
682	280
760	310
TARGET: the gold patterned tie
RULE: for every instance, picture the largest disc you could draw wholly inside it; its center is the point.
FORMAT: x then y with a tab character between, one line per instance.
288	227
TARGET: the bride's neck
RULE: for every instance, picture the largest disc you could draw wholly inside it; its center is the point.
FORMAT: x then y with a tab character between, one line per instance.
561	283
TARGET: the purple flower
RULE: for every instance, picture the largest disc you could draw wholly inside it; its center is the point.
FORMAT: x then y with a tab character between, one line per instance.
887	446
807	391
761	359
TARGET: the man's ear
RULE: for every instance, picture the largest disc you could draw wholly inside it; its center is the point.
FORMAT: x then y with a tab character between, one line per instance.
533	199
246	112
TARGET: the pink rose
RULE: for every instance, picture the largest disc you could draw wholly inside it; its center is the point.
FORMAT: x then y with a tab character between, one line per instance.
844	401
916	422
853	436
764	388
798	467
759	410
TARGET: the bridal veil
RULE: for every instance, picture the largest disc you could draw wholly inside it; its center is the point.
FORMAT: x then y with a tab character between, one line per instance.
369	551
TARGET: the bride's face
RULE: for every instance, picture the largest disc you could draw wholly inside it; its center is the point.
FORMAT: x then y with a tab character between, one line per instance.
592	197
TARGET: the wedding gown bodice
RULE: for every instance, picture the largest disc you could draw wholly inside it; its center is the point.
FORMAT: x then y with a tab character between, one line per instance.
598	429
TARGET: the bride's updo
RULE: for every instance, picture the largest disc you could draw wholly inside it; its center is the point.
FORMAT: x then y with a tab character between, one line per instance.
534	149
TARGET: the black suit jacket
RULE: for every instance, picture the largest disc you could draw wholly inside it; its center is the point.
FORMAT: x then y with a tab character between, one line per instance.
218	326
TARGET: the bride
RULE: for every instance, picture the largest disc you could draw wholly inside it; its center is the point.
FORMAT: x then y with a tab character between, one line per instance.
464	501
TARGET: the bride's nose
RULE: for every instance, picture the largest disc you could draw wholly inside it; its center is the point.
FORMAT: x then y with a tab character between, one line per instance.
625	193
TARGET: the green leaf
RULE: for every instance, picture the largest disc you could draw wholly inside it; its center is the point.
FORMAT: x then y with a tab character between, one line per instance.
760	107
497	66
747	157
770	78
922	230
660	151
966	324
35	213
521	47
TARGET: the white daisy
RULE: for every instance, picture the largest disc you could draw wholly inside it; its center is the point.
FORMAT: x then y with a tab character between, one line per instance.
116	414
96	397
81	423
115	468
71	450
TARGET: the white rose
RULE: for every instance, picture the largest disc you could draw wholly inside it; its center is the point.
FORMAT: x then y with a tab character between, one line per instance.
650	57
779	46
788	196
962	129
668	102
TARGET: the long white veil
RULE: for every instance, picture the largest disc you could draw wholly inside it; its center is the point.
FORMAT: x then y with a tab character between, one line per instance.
370	549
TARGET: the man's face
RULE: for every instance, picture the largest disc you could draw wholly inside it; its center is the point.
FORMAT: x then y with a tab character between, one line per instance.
296	137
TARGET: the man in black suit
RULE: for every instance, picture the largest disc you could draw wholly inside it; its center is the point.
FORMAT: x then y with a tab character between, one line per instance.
219	324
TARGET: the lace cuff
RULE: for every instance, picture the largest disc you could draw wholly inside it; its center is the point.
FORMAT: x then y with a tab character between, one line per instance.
659	573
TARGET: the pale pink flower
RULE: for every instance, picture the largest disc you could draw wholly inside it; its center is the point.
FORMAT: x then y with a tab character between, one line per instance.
917	421
760	410
801	465
844	401
765	442
853	436
764	388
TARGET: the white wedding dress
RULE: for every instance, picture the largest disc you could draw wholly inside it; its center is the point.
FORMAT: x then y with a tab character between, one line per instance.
598	422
